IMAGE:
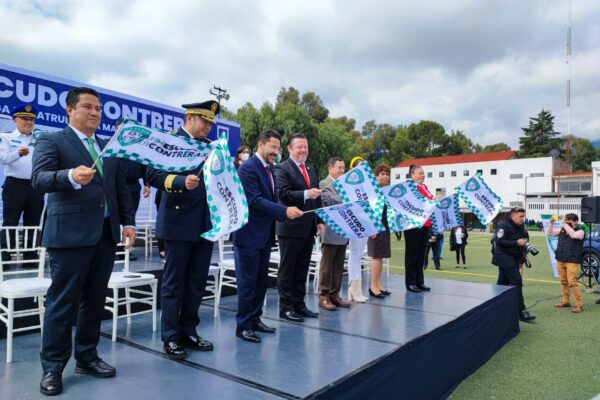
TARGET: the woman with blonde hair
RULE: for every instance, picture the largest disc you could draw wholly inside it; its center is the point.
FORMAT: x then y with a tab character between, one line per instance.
357	248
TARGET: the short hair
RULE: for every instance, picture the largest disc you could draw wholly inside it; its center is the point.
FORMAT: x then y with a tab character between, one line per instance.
265	136
571	217
295	136
73	95
516	210
413	168
382	168
241	149
333	160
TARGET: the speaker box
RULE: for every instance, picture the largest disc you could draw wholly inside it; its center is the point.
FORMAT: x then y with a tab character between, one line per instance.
590	210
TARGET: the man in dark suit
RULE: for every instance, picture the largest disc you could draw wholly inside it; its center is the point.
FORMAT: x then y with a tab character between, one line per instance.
85	208
183	216
297	185
252	243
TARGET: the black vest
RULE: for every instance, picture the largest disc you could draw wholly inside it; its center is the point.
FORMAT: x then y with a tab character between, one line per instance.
568	249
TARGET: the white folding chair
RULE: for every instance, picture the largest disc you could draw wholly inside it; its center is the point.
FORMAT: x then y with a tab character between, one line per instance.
315	265
22	283
226	263
146	224
212	287
131	283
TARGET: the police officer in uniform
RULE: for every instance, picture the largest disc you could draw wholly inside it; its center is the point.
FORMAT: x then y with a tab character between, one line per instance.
510	241
182	217
133	173
18	196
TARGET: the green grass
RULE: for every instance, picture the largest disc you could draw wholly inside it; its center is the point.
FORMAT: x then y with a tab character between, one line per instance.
554	358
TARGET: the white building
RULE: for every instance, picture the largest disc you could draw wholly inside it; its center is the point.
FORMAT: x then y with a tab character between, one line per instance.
533	183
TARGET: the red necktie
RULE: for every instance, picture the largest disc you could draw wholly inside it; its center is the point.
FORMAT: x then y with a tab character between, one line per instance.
305	175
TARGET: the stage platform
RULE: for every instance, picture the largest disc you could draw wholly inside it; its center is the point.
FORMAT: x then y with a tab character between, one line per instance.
406	346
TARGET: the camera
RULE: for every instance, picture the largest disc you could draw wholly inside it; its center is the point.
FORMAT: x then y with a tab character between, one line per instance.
529	248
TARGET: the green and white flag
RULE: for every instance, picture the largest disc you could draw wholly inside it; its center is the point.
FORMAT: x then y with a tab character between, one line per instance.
446	214
351	220
410	208
551	241
155	148
478	196
360	184
224	193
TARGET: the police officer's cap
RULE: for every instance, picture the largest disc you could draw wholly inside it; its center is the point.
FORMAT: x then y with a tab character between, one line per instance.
24	110
207	110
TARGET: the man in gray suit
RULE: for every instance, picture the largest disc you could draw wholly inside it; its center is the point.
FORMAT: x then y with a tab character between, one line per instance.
85	208
333	246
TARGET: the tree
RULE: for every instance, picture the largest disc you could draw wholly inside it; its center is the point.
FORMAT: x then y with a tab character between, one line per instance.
491	148
314	106
428	139
289	95
583	153
457	143
539	137
368	129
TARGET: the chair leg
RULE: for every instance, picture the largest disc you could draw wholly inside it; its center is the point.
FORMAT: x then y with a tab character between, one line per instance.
9	330
128	305
115	313
42	311
218	293
154	289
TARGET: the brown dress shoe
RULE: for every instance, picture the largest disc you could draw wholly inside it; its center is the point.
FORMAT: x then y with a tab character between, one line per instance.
577	309
562	305
339	302
325	304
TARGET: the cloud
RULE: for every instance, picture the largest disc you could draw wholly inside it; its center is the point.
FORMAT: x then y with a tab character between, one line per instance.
481	67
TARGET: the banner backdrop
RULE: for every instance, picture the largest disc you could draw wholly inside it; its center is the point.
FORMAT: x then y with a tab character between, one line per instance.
478	196
359	184
551	241
351	220
411	208
224	193
446	214
159	150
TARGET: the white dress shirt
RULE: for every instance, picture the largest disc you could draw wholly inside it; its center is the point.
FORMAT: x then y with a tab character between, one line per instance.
305	166
15	165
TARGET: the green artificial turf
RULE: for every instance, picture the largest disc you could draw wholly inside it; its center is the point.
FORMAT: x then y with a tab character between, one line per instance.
556	357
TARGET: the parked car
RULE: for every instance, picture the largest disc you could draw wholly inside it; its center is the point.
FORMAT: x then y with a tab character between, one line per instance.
590	262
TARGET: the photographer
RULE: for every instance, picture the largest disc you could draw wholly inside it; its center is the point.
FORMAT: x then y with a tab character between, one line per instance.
568	254
511	247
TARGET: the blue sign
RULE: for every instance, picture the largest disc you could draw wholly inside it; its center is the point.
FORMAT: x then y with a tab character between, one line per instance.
49	94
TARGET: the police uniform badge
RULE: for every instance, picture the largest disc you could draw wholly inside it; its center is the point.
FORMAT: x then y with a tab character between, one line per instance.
500	233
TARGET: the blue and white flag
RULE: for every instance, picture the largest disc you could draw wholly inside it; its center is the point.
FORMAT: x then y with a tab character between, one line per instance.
360	184
411	208
446	214
351	220
224	193
157	149
482	200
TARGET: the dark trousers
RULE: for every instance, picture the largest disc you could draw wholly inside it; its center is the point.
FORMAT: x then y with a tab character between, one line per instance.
416	244
434	254
77	295
293	270
184	281
251	271
19	198
510	276
331	270
161	243
460	251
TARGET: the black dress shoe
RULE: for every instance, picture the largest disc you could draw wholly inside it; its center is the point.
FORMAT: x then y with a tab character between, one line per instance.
305	312
174	350
386	292
195	342
291	316
525	316
379	295
97	368
261	327
424	288
248	335
51	383
413	288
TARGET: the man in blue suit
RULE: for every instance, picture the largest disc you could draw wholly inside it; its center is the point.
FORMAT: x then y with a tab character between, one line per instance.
183	216
252	243
85	208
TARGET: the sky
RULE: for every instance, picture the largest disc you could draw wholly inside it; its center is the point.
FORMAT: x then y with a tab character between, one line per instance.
480	66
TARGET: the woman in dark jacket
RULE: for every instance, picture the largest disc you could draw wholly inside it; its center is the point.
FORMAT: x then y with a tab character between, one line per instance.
458	241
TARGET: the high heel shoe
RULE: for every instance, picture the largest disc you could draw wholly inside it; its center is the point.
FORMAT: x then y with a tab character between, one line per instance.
378	295
355	292
385	292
